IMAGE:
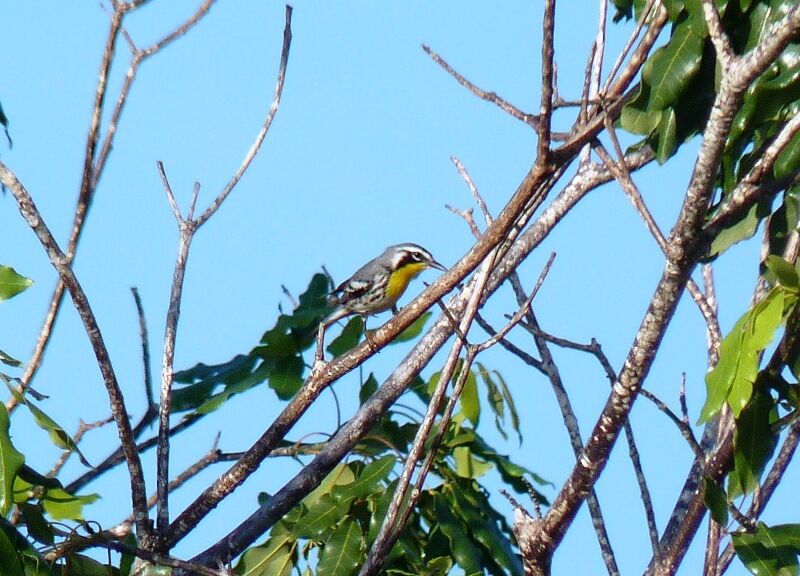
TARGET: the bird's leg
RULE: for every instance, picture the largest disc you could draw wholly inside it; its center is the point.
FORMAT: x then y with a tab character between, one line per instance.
368	335
320	354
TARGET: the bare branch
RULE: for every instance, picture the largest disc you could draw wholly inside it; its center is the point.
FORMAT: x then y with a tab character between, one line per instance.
646	11
529	119
93	168
60	262
81	207
148	380
550	369
390	528
473	190
722	44
273	109
524	309
623	176
535	185
548	83
750	188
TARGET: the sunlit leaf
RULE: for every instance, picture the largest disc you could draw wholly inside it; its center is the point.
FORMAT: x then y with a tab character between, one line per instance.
273	558
368	479
61	505
10	462
9	360
754	442
670	69
784	272
12	283
467	465
470	404
769	550
57	434
732	378
321	515
342	553
716	501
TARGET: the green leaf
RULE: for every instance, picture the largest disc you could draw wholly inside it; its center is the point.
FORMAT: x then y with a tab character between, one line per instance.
341	555
321	515
348	338
470	404
273	558
126	560
468	502
367	480
286	376
57	434
11	461
341	474
4	122
637	117
461	547
754	442
670	69
667	136
9	560
12	283
769	550
9	360
368	388
784	272
414	330
79	565
61	505
732	378
37	526
788	160
467	465
246	382
742	229
716	501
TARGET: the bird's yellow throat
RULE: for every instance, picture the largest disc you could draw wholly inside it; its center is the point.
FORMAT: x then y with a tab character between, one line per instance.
398	281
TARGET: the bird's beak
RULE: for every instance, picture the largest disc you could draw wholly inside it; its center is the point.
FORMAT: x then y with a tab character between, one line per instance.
435	264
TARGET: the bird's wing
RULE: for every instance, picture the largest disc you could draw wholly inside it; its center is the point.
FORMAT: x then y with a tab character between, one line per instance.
351	289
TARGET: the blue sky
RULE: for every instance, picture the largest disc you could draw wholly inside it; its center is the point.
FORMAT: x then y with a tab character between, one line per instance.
358	158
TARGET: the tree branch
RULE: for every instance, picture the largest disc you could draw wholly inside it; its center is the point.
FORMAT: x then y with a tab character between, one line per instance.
60	262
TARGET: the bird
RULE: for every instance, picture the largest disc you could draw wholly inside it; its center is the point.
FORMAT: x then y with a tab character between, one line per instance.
379	284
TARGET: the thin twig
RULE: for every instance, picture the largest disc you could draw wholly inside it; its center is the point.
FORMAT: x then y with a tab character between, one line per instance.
623	176
148	379
60	262
524	309
93	168
213	456
468	218
548	83
529	119
722	44
473	190
550	369
83	428
81	208
390	528
273	109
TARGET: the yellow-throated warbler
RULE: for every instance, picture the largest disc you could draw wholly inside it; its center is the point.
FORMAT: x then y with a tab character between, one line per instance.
379	284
